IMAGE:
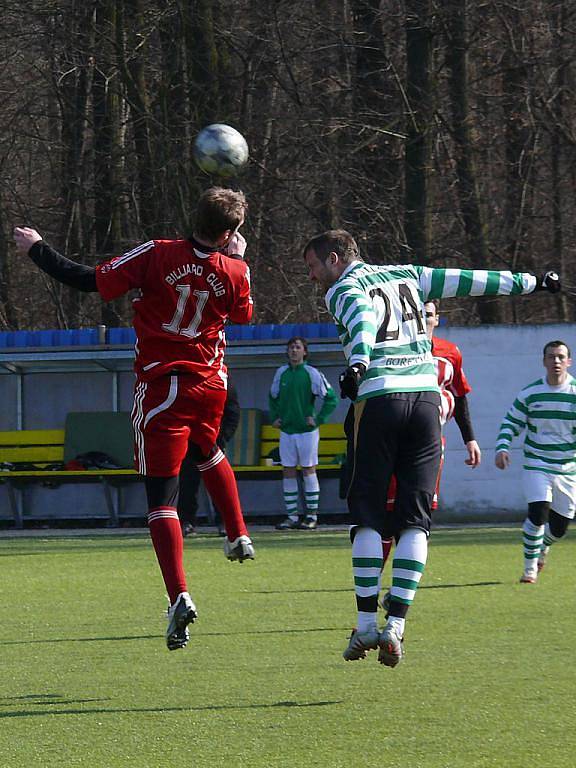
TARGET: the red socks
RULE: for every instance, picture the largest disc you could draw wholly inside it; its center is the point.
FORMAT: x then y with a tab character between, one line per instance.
166	535
221	485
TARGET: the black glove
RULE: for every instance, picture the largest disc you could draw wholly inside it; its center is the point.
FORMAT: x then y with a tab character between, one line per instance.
350	379
549	281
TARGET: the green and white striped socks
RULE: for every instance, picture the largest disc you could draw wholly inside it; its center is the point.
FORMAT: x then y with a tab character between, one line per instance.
367	566
549	537
532	538
312	494
407	569
290	490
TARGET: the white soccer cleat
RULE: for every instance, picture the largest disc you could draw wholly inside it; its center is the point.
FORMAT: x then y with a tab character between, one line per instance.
182	613
391	650
360	642
240	549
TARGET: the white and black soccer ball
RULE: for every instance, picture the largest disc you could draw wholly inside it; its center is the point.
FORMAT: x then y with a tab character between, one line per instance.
221	150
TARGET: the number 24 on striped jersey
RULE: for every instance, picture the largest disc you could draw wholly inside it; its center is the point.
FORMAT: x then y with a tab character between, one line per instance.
409	312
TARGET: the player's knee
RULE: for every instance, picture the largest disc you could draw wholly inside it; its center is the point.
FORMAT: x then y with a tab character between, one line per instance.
558	524
161	491
196	454
538	512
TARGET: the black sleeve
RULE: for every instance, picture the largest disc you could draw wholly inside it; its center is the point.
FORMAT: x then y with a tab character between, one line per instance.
462	418
64	270
230	417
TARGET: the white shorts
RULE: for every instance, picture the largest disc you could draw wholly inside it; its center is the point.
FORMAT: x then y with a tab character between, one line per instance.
299	450
559	490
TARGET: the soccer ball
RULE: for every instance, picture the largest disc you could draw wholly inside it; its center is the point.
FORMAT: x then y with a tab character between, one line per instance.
220	149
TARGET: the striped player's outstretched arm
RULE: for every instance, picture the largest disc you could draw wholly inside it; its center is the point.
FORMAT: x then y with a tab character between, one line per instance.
447	283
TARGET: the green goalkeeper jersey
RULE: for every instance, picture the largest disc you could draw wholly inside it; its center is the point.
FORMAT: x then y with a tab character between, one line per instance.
379	311
294	395
548	414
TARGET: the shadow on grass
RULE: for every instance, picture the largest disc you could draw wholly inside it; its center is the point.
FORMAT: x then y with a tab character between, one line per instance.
456	586
198	634
47	700
162	710
350	589
120	638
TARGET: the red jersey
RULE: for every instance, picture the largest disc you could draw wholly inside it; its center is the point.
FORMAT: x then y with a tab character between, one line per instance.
451	378
186	296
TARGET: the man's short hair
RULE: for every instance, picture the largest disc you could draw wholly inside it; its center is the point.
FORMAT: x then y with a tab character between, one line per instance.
302	340
436	303
337	240
556	343
219	210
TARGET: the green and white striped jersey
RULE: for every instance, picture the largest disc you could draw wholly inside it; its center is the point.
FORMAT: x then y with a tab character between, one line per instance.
379	312
548	414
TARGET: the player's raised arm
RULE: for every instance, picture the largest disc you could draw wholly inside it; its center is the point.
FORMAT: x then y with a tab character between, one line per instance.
29	241
447	283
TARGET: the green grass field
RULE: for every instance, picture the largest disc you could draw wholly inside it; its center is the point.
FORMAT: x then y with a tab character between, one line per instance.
86	680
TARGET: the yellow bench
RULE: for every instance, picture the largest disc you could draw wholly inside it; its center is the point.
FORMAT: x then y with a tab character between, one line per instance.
26	457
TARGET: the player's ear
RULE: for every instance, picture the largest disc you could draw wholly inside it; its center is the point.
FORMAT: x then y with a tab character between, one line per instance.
223	238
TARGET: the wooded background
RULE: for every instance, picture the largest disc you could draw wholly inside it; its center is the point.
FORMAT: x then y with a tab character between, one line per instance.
438	133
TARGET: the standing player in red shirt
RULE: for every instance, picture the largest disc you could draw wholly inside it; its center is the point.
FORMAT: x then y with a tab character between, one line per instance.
453	390
188	289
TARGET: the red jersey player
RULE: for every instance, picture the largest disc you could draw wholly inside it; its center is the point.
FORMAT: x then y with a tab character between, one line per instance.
187	290
453	390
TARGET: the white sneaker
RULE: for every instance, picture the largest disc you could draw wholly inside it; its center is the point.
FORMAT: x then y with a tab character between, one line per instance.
240	549
182	613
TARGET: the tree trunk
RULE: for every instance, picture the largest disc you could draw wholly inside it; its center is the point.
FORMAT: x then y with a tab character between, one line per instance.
558	23
131	61
107	148
419	120
457	60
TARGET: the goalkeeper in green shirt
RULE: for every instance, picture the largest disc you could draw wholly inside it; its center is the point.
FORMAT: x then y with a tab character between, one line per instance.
295	390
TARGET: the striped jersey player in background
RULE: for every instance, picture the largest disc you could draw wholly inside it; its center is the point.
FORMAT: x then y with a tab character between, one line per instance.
546	411
187	290
392	380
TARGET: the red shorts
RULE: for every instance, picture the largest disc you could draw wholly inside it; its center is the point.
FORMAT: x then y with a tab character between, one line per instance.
168	413
391	495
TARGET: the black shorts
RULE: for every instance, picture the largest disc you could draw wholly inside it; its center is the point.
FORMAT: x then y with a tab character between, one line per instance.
397	434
